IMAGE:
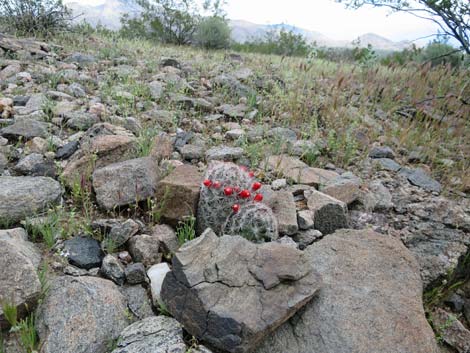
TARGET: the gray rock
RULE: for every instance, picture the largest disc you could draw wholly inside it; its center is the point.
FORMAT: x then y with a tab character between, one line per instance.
138	301
329	214
76	90
19	282
22	197
283	134
81	121
166	237
112	269
121	232
231	293
156	90
144	248
127	182
224	153
283	206
343	189
80	58
34	164
234	111
190	152
83	252
80	315
305	238
388	164
3	162
378	198
381	311
26	128
158	334
34	104
419	178
305	219
135	273
382	152
298	172
279	184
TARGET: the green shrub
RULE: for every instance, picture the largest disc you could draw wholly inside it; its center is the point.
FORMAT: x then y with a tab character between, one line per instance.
438	53
34	17
213	33
284	42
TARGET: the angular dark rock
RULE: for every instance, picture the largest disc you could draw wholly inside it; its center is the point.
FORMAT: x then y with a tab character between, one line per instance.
382	152
419	178
67	150
112	269
135	273
83	252
231	293
329	214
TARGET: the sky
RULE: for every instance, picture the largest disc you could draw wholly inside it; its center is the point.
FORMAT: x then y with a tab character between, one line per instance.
325	16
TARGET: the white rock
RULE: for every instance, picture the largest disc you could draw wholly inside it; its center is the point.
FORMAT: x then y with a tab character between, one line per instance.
157	274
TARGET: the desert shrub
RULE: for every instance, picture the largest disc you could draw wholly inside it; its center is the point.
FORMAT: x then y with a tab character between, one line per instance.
213	33
439	52
283	42
34	17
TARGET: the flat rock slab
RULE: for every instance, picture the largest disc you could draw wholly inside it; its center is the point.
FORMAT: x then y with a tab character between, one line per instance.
80	315
298	172
370	302
19	282
230	293
157	334
21	197
127	182
26	128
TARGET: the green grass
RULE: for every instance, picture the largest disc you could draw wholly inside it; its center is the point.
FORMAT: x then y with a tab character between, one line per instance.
186	230
10	312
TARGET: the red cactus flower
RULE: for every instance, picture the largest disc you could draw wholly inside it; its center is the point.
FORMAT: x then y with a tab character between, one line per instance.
217	184
236	208
251	174
244	194
258	198
256	186
228	191
207	183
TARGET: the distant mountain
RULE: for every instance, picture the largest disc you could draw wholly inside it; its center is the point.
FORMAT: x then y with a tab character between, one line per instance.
109	15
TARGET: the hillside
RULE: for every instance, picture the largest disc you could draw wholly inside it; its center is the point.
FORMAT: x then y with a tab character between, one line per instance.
109	15
172	199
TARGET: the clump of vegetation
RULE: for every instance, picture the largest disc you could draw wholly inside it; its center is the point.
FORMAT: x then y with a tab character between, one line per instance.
213	33
186	231
34	17
283	42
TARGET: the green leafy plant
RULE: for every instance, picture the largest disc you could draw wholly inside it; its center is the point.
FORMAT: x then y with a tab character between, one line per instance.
186	231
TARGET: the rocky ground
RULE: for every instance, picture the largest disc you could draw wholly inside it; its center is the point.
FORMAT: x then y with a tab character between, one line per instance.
103	148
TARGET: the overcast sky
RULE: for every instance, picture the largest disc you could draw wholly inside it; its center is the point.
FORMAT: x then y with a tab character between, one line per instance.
325	16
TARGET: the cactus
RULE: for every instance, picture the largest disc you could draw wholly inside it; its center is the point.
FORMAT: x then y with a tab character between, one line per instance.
214	206
229	190
255	222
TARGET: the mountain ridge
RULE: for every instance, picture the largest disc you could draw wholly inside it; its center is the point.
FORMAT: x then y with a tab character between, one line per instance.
109	13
